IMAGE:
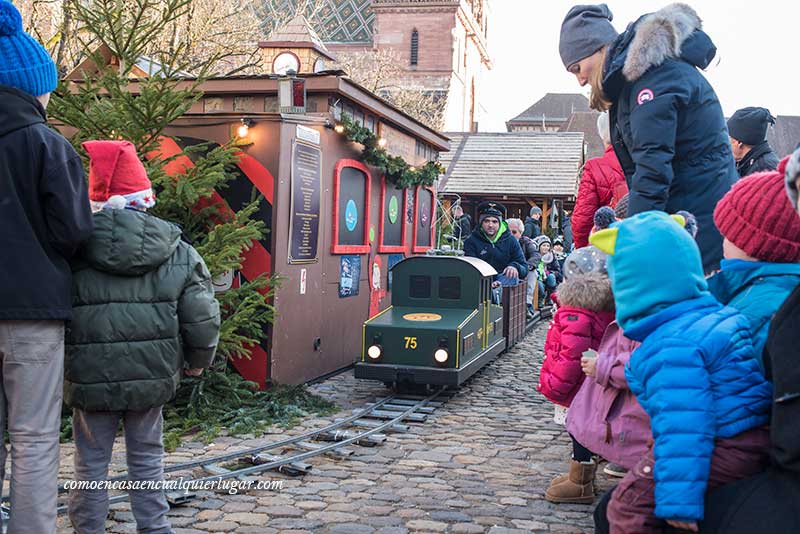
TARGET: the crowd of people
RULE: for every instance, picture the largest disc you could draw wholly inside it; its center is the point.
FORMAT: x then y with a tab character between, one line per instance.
670	349
671	353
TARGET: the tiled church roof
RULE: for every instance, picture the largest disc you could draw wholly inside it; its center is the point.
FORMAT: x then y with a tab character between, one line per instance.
347	21
586	122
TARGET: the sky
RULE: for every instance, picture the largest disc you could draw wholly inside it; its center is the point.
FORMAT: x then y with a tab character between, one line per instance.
757	63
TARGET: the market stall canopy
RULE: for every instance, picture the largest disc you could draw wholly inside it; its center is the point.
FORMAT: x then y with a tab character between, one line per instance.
526	164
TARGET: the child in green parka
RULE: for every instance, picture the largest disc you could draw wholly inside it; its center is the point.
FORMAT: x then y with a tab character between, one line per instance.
144	309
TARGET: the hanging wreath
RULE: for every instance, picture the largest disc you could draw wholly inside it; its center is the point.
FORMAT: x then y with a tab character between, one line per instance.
395	168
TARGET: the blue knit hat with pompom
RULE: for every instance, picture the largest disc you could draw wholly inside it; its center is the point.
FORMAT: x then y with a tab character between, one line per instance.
24	63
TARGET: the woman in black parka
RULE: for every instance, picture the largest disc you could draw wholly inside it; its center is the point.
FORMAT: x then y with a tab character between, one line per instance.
667	126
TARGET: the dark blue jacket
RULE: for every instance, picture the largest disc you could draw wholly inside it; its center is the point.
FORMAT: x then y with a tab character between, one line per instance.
757	290
667	125
44	212
503	252
760	158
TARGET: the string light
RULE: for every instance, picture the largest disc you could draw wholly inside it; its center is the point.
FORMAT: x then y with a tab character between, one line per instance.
382	142
339	128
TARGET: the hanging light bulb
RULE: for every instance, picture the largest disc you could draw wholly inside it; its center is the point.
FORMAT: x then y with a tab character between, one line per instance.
382	142
339	128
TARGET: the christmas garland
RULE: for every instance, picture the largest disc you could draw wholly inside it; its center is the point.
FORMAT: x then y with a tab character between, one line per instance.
395	168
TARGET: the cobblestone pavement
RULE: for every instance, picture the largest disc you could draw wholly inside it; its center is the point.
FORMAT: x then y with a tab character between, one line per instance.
479	464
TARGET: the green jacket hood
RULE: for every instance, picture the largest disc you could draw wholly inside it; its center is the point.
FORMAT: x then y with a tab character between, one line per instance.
500	231
130	242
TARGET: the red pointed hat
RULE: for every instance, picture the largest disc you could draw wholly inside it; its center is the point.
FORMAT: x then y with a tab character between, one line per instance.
116	171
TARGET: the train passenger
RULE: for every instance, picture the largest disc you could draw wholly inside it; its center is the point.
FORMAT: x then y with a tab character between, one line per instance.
532	257
44	217
144	305
694	374
761	234
586	308
493	243
602	184
747	129
667	125
548	269
566	231
462	223
533	223
768	501
559	253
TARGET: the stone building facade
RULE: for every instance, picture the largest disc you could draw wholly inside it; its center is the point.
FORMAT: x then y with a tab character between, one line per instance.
440	44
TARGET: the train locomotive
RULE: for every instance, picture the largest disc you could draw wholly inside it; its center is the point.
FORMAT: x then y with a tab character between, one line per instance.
441	326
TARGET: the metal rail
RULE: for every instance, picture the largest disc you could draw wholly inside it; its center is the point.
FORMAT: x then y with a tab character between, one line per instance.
280	462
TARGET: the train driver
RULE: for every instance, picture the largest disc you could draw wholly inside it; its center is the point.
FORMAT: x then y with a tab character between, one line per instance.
492	242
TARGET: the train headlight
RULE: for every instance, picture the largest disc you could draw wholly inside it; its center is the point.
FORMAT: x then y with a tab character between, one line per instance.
441	355
374	352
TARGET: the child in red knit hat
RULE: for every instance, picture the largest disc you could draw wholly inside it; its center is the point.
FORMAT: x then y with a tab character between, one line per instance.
761	244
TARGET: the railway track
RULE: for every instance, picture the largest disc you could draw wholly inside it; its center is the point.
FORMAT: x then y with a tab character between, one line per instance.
363	428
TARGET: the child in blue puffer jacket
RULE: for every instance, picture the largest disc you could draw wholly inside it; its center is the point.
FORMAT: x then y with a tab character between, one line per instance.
761	244
694	374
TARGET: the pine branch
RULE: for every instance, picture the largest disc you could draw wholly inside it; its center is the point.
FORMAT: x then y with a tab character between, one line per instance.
395	168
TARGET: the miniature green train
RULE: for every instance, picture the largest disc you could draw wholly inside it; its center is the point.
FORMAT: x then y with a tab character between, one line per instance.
442	326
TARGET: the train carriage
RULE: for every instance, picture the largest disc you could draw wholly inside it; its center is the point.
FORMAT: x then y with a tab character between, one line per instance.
441	327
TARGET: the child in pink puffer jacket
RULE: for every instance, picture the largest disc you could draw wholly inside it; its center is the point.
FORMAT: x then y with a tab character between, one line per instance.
604	418
586	308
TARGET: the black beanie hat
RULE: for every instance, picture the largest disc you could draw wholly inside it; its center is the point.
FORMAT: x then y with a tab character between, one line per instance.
749	125
491	209
585	30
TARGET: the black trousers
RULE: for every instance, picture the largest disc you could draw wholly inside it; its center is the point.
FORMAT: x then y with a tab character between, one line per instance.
579	452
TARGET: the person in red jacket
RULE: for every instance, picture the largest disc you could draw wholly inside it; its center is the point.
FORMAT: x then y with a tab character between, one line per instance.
602	184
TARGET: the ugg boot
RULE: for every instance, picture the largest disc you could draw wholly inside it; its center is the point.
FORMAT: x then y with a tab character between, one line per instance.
576	487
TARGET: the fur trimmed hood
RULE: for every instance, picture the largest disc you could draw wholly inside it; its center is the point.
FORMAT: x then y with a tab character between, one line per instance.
672	32
591	292
659	36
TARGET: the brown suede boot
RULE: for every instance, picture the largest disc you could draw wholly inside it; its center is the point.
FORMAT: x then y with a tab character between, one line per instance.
577	487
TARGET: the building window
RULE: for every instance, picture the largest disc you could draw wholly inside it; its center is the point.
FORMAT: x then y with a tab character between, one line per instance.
414	47
392	229
424	212
351	208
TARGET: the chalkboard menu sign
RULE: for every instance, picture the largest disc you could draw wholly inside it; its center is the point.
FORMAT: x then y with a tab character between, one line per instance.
393	220
305	202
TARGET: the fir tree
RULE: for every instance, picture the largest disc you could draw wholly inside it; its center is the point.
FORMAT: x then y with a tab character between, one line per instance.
102	106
